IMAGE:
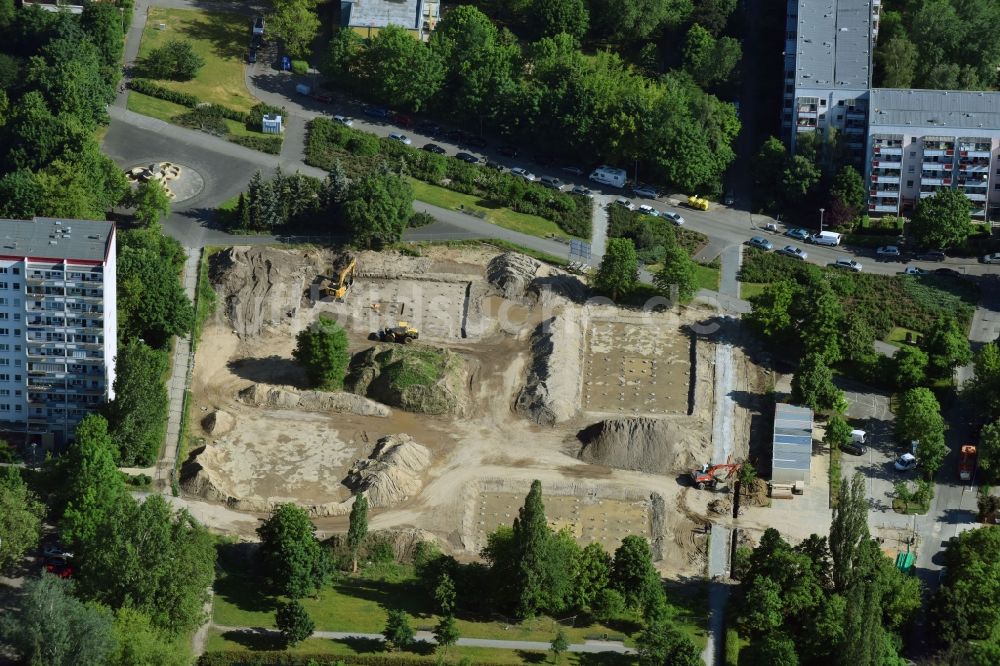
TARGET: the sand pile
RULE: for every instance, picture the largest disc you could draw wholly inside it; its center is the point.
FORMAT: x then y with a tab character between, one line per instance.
340	402
392	472
218	422
415	377
655	446
263	286
552	392
511	273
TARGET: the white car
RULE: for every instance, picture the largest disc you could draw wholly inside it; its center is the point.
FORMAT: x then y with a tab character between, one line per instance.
913	270
847	264
402	138
673	217
648	210
888	252
624	203
905	462
523	173
992	258
794	252
344	120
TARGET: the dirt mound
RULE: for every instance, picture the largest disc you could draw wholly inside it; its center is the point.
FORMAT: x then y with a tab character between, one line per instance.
262	286
511	273
415	377
391	473
655	446
552	392
278	397
218	422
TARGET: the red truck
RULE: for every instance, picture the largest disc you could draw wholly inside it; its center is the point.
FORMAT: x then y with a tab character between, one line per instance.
966	462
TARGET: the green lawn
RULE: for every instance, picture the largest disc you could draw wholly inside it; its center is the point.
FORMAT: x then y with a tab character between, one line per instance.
498	215
707	277
219	38
154	107
750	289
913	509
897	336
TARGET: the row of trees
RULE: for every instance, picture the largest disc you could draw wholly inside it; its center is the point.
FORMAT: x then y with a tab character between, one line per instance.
618	274
551	95
828	600
982	394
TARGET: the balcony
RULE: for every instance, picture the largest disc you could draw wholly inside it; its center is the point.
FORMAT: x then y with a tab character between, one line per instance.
986	154
892	180
938	152
883	208
975	196
885	194
886	164
974	168
936	166
888	150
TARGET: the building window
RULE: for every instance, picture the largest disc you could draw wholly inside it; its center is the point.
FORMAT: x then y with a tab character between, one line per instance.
17	408
909	183
913	153
16	270
4	407
910	169
822	102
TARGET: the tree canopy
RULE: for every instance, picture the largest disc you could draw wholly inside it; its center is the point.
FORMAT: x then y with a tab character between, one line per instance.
377	209
941	220
21	515
619	270
322	349
291	555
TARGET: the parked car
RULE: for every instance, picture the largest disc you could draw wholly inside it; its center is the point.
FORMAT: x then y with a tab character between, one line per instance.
455	135
729	199
648	210
59	566
56	550
794	252
524	173
427	127
760	242
582	191
402	138
252	56
551	183
624	203
377	112
847	264
344	120
645	191
888	253
854	448
496	166
575	170
931	255
258	24
466	157
508	150
543	159
913	270
323	97
673	217
950	272
402	119
434	148
905	462
798	234
992	258
476	142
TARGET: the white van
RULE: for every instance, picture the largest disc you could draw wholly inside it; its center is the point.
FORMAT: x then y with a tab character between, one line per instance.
859	436
609	176
825	238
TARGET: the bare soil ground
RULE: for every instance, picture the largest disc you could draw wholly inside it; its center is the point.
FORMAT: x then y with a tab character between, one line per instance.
483	462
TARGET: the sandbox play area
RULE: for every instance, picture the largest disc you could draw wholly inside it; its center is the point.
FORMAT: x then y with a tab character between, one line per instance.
515	376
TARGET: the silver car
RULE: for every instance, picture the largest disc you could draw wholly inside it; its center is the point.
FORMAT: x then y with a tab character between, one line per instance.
673	217
760	242
402	138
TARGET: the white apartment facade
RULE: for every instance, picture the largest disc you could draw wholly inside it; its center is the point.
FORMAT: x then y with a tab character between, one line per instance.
58	325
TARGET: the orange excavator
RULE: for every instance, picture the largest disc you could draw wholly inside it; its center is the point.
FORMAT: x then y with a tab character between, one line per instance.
710	476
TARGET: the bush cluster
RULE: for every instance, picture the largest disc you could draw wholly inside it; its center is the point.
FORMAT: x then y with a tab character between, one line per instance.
652	236
147	87
358	152
281	658
300	67
265	144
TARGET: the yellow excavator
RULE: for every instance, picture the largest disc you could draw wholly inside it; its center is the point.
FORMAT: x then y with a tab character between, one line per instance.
402	332
343	278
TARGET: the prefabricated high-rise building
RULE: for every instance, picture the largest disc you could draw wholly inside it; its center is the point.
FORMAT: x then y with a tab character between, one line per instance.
58	325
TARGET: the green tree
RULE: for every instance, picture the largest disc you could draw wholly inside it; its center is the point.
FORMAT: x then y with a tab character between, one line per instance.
910	367
175	60
619	270
820	329
547	18
342	57
593	573
446	632
769	163
400	70
559	645
812	385
901	489
294	623
139	643
145	556
52	628
91	483
295	22
713	15
763	608
776	649
798	179
848	529
337	185
838	431
988	452
941	220
849	188
20	195
983	391
678	272
21	516
608	604
444	595
531	541
137	414
398	633
102	23
897	62
357	528
771	310
378	209
633	574
322	349
918	418
290	554
635	20
67	73
152	304
664	643
946	346
708	60
150	201
965	607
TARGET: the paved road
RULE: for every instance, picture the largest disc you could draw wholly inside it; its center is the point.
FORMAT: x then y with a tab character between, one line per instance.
591	647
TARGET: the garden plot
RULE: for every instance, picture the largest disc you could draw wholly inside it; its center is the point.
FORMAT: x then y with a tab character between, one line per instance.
634	369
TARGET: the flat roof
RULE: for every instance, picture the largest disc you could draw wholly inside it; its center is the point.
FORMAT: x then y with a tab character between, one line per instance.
944	109
792	438
56	238
833	44
380	13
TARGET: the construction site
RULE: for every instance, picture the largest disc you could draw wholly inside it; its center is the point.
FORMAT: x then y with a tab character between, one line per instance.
474	371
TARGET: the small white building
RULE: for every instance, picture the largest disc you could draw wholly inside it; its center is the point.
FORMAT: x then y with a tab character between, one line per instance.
271	124
792	440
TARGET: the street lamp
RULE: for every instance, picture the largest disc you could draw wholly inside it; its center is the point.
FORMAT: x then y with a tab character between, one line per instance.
821	219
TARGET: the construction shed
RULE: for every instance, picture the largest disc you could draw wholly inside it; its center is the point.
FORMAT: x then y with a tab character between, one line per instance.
792	444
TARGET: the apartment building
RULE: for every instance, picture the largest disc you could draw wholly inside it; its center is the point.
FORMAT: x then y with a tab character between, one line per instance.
920	141
58	325
828	70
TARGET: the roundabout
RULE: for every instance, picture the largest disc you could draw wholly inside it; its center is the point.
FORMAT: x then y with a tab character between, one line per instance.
180	182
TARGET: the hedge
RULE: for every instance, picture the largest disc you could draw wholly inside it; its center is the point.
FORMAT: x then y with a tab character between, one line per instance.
147	87
265	144
358	152
281	658
300	67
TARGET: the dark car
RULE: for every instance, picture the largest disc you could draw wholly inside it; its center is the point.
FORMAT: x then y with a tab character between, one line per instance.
434	148
931	255
455	135
402	120
507	150
854	448
252	56
476	142
466	157
377	112
494	165
427	127
59	566
255	40
543	160
951	272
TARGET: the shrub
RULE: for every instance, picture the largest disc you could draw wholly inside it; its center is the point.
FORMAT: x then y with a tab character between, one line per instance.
282	658
174	60
363	144
265	144
206	119
255	118
147	87
300	67
420	219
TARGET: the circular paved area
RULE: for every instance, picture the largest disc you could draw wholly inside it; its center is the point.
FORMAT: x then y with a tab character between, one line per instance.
187	185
